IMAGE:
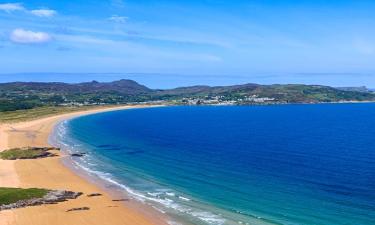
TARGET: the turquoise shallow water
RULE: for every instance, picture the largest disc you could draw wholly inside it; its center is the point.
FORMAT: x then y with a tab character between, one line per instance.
287	164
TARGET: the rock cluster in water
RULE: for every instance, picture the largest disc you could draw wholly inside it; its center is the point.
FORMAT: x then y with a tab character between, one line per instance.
78	154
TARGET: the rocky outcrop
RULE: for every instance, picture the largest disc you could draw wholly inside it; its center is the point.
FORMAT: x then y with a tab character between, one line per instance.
52	197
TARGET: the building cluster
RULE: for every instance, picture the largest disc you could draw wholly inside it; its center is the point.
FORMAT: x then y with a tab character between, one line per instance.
257	99
202	100
225	100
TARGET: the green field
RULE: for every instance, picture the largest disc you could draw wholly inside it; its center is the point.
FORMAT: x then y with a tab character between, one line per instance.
12	195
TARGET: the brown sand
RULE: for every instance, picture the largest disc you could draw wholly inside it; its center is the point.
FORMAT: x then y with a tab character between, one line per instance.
50	173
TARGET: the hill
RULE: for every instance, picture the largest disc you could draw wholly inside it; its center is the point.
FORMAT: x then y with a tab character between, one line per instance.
255	93
122	86
26	95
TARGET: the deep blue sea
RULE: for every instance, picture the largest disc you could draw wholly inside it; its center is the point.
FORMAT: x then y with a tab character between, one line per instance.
283	164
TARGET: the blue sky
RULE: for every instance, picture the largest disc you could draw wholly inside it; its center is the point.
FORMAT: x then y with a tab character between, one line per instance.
172	43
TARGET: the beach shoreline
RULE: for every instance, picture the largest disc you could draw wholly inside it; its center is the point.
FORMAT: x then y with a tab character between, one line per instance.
51	173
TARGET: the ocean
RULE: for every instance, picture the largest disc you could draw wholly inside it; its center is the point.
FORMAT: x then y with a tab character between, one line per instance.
281	164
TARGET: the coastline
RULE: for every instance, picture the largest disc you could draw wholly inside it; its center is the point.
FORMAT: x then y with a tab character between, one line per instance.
52	174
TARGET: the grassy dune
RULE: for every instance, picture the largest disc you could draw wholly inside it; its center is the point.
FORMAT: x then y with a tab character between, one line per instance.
40	112
12	195
26	153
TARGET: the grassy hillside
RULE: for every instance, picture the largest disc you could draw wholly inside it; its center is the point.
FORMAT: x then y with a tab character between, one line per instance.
293	93
27	95
30	95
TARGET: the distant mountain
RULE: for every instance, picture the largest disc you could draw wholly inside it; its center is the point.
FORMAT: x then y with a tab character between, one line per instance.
129	87
24	95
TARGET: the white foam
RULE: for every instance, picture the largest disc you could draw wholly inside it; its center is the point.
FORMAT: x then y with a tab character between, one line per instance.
173	223
160	210
209	218
154	194
184	198
204	216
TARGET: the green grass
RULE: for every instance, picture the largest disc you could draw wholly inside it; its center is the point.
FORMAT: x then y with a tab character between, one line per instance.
12	195
23	153
40	112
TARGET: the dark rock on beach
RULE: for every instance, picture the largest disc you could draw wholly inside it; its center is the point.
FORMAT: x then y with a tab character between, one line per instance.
120	200
94	195
78	209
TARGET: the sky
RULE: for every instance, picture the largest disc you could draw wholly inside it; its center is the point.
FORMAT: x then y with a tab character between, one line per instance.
167	43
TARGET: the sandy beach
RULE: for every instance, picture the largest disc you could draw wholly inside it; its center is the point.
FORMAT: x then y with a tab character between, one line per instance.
50	173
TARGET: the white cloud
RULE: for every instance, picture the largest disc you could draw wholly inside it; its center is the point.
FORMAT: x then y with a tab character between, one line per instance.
43	12
118	19
10	7
29	37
